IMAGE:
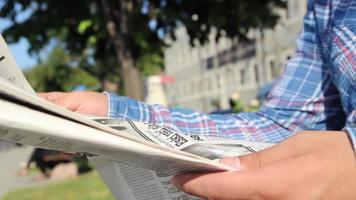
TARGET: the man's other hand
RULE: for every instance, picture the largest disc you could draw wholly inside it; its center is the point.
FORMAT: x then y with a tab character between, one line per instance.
90	103
309	165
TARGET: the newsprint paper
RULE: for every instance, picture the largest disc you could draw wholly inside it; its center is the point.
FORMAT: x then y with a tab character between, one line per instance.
136	160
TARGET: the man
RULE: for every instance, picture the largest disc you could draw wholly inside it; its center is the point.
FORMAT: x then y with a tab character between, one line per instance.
314	100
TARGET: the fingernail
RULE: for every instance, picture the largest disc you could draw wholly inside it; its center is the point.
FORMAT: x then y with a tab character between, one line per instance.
232	162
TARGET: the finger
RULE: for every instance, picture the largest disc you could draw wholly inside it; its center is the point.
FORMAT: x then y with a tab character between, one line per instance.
287	149
232	162
222	185
270	182
51	96
43	95
67	101
285	178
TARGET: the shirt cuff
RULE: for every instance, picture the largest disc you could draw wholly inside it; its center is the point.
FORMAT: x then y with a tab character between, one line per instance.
109	104
126	108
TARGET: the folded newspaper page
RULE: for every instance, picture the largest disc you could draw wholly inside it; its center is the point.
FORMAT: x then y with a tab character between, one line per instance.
136	160
147	184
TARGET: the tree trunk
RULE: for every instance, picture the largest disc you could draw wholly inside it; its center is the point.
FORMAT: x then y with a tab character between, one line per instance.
132	80
119	29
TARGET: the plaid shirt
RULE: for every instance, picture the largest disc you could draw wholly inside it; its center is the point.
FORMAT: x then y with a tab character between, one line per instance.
317	90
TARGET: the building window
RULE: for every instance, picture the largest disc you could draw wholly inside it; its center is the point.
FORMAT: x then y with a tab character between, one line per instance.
223	58
273	69
257	75
242	76
233	57
233	52
293	9
210	63
218	81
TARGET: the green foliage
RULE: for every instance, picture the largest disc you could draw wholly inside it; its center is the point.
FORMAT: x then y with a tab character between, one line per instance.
151	64
84	25
252	108
56	74
233	18
77	21
85	187
238	106
142	24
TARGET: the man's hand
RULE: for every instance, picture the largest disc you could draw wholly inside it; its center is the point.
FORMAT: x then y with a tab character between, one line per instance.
310	165
92	103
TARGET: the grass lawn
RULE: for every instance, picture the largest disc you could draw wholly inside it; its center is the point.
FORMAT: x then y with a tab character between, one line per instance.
88	187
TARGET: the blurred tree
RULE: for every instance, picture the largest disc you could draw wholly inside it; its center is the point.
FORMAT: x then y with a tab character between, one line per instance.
130	30
56	74
150	64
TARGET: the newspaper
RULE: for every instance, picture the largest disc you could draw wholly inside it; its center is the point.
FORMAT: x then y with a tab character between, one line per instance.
135	159
141	182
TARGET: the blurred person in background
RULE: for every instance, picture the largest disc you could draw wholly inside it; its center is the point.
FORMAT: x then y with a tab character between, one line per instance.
310	113
236	104
45	160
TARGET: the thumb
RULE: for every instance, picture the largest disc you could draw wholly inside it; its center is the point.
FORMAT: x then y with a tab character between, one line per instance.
69	102
63	99
251	161
51	96
286	149
233	162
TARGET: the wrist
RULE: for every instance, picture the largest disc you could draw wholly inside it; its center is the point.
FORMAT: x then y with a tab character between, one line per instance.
108	100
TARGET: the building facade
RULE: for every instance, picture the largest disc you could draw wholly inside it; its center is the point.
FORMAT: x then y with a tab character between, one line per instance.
206	76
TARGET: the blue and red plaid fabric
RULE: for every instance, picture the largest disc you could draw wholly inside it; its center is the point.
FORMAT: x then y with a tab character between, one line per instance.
315	92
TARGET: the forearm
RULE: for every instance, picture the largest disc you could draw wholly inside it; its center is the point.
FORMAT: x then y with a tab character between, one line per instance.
249	126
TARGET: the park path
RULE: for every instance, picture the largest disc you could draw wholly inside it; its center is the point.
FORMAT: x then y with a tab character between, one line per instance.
10	161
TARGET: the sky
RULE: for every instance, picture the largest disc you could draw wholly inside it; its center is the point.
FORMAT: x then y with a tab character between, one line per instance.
19	50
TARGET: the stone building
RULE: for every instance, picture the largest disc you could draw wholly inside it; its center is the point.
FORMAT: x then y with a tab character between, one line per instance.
206	76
